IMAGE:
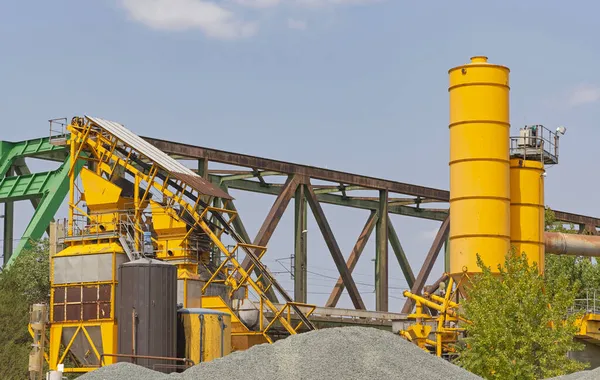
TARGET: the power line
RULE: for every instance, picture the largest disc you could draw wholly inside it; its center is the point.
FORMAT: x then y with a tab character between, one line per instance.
356	282
277	259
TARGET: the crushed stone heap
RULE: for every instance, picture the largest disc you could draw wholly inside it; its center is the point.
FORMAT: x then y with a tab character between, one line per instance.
583	375
334	353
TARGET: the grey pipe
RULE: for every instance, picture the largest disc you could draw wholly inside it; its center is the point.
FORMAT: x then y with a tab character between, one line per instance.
559	243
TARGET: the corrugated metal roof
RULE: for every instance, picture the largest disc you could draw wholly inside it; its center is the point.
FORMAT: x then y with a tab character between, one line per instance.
175	168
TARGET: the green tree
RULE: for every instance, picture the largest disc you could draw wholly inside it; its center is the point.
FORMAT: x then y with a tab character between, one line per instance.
519	330
24	283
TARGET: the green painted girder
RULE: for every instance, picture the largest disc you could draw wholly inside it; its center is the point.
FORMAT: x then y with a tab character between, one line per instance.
339	200
55	189
20	187
40	147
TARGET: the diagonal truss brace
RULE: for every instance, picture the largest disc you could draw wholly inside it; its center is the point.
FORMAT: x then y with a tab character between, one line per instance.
103	145
334	248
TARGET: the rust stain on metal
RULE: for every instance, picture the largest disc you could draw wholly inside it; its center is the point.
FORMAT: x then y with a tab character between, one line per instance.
175	168
572	244
291	168
59	313
260	163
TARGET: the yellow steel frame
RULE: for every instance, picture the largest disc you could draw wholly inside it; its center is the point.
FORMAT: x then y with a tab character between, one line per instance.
448	312
107	326
284	313
103	145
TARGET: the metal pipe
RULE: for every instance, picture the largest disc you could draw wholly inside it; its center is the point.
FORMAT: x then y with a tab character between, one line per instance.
559	243
201	353
133	333
433	305
186	361
222	324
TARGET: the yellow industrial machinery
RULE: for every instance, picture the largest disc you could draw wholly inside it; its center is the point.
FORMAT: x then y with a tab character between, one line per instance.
205	334
179	244
83	276
436	333
535	147
527	209
242	335
479	165
135	201
496	193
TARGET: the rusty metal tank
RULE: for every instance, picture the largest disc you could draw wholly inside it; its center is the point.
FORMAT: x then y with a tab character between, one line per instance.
147	313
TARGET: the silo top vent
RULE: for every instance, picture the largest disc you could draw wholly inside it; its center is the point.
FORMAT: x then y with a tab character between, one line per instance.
479	59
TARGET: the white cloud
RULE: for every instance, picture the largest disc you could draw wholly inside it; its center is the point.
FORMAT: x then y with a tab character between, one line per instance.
311	3
296	24
258	3
584	94
221	19
317	3
214	20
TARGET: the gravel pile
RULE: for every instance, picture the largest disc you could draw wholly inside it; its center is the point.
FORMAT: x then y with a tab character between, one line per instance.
583	375
123	371
334	353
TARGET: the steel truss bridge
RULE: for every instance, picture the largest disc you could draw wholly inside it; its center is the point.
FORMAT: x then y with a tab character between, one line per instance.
285	182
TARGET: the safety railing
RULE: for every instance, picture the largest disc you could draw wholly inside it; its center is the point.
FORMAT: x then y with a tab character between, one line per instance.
588	303
115	224
58	131
536	142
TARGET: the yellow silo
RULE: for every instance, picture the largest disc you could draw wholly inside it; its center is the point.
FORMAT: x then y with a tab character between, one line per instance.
479	165
527	209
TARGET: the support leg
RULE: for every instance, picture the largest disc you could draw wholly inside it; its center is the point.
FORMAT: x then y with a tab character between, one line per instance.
381	256
8	230
300	251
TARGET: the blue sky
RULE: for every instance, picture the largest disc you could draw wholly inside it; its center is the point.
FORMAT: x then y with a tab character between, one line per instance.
353	85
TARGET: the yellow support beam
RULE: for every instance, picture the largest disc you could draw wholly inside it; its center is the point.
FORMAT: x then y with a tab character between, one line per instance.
98	143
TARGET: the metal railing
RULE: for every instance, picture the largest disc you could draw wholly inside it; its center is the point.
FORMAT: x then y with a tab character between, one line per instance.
535	142
589	303
187	362
122	226
58	131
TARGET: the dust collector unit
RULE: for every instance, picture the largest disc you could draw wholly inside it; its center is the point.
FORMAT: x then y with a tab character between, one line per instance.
147	312
479	165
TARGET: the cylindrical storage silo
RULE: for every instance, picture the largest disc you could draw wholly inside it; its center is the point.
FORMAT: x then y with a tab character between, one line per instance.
479	165
147	312
203	334
527	211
